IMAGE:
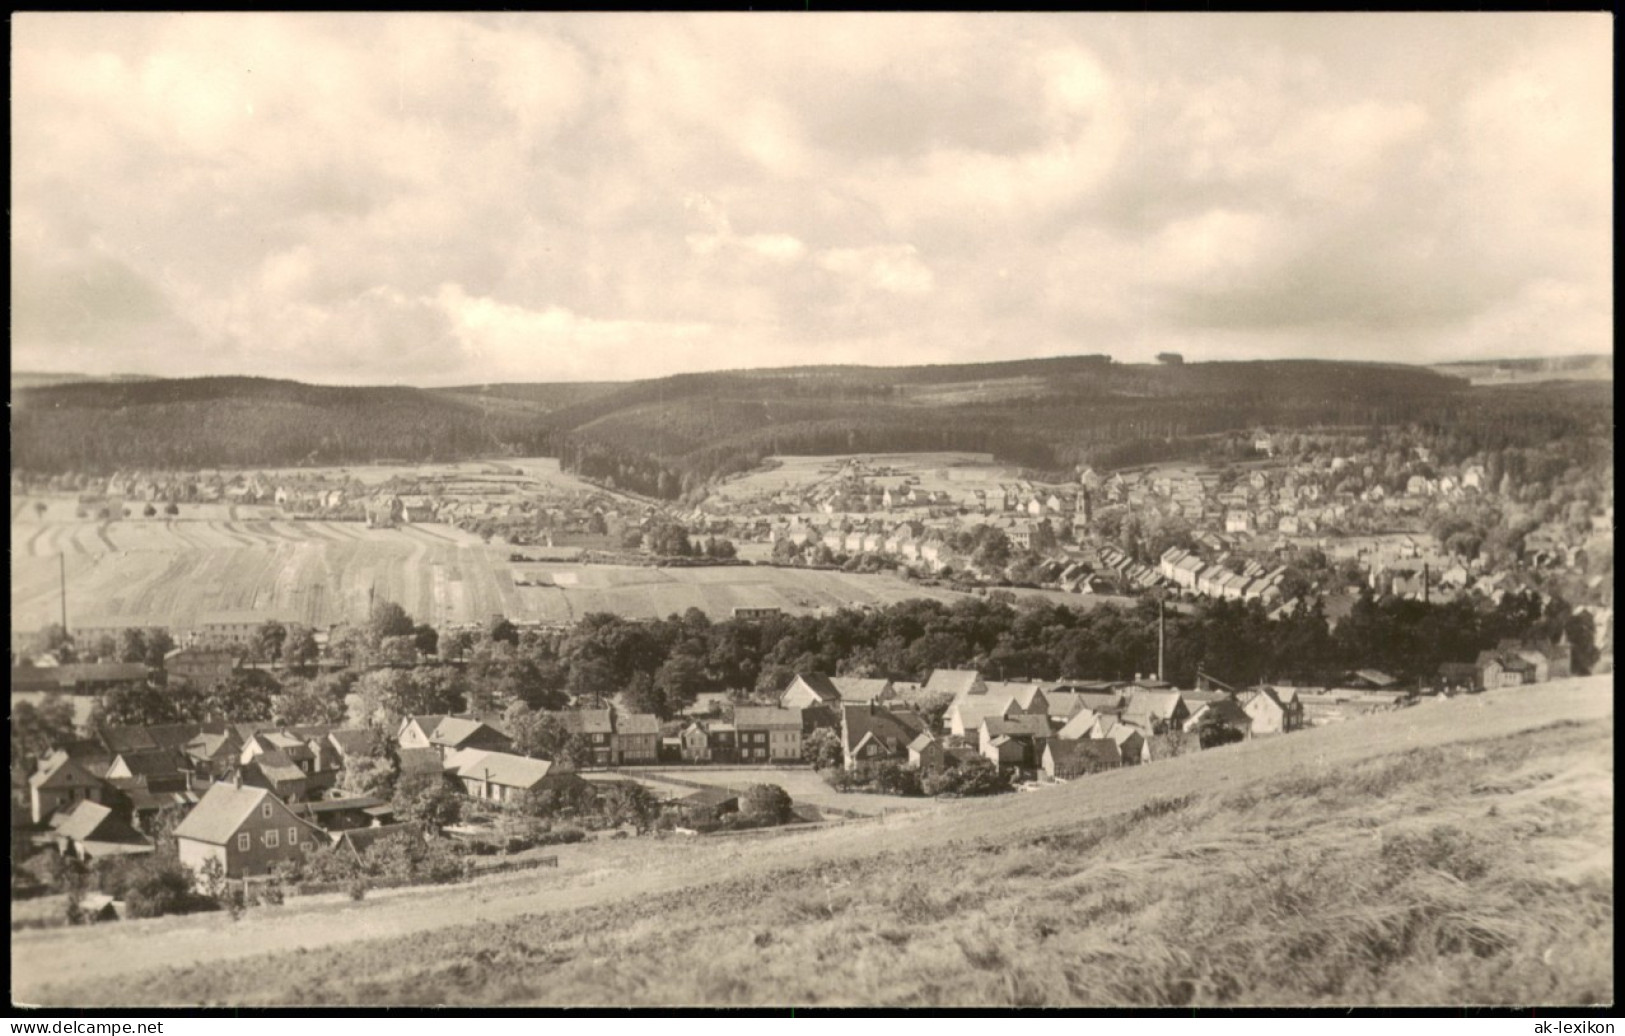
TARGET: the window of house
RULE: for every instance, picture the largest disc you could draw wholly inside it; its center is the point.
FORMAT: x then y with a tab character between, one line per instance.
265	811
242	842
293	836
271	838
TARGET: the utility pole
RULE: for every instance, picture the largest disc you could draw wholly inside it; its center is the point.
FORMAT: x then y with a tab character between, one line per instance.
1160	638
62	568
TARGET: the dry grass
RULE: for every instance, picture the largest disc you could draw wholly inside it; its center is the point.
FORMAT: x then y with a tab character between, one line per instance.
1476	873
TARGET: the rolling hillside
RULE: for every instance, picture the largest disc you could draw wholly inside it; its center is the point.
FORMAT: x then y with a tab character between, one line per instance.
1456	853
187	423
670	436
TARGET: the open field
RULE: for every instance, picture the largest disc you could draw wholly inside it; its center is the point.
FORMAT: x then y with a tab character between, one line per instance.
1459	852
176	573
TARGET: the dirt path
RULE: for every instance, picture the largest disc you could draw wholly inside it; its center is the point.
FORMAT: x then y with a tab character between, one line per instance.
53	962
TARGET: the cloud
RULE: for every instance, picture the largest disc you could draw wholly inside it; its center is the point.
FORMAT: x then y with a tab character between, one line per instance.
293	194
890	268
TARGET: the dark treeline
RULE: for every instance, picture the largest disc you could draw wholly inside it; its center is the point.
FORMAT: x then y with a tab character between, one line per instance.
208	422
661	665
668	437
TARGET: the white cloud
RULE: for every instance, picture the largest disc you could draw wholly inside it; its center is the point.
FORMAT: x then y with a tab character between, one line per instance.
893	268
242	191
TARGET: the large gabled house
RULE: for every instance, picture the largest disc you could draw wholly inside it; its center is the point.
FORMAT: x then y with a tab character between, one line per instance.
460	733
500	777
1013	740
249	830
637	738
447	734
596	727
62	782
872	734
1065	760
1219	721
767	734
1273	710
1155	711
964	718
810	690
91	831
857	690
1082	725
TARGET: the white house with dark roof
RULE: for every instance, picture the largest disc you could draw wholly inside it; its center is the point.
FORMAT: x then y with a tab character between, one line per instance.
249	830
61	783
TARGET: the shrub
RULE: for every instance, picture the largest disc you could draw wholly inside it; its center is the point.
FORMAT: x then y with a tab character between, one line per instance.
897	779
767	802
562	836
161	887
974	777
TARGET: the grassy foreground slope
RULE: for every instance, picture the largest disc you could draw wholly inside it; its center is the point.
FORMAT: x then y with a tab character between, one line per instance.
1456	853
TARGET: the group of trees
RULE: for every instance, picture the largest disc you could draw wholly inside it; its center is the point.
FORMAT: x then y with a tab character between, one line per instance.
670	540
661	666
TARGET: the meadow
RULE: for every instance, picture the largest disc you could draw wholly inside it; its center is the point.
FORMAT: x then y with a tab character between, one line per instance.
1457	853
176	572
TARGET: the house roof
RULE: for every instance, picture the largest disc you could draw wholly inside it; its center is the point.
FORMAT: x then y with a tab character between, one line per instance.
1099	750
1023	693
455	731
921	743
821	686
161	762
221	811
952	681
276	766
426	724
893	728
59	770
1376	676
352	741
119	739
973	710
209	745
360	839
759	716
860	689
587	721
1020	725
1078	726
1225	710
1157	704
1064	704
629	723
1121	733
513	771
93	822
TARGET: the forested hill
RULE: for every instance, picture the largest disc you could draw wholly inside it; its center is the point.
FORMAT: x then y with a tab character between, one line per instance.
668	436
208	422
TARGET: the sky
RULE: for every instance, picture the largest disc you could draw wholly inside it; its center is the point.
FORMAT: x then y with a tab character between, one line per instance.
438	199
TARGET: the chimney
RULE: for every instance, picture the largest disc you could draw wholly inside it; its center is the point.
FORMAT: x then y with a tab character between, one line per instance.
237	778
